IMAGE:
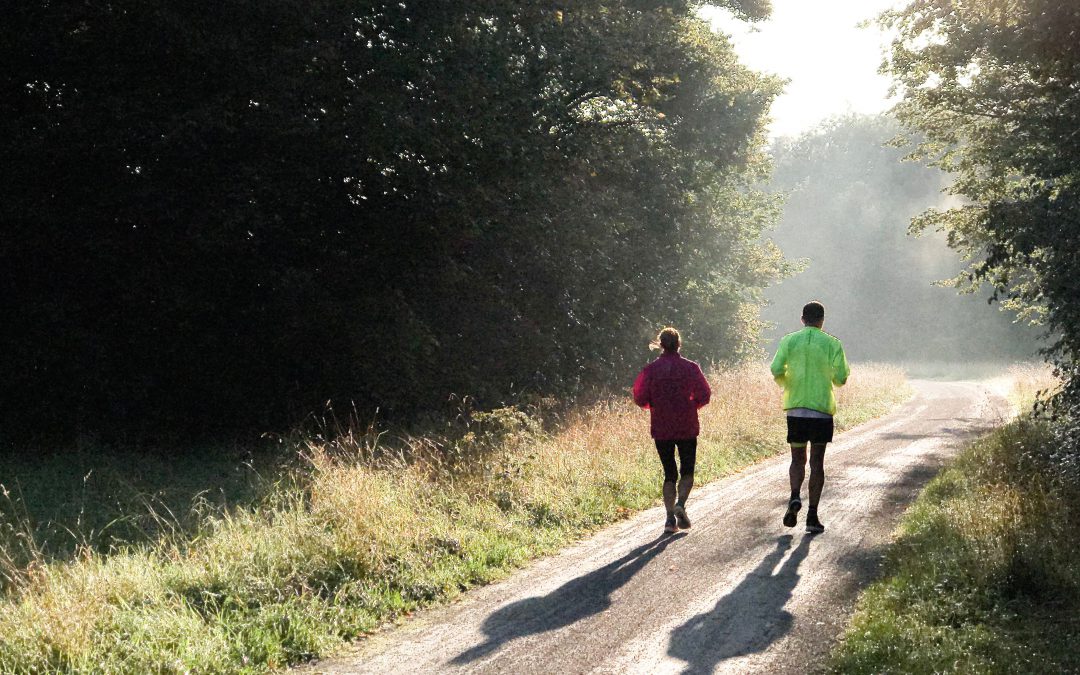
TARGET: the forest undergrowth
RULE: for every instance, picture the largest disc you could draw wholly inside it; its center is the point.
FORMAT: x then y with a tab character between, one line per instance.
363	529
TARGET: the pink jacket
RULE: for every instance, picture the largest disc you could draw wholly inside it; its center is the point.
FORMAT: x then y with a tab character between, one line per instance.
672	389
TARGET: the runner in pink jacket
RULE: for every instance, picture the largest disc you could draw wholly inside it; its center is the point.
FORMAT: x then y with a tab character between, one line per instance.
672	389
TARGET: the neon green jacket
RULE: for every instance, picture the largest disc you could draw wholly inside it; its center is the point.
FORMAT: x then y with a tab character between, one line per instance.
807	365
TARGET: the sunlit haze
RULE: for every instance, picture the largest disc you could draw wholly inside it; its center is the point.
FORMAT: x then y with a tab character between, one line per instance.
831	63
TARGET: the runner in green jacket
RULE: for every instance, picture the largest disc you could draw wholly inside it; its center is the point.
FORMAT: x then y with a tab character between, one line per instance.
808	363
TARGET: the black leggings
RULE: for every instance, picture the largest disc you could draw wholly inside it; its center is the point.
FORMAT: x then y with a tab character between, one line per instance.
687	456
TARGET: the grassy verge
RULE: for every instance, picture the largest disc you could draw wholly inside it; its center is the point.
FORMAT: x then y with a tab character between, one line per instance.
89	497
985	574
368	529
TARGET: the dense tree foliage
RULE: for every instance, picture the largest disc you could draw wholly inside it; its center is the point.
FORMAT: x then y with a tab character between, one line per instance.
222	214
849	201
994	87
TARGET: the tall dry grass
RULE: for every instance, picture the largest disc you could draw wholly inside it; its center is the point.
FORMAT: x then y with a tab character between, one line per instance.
1028	382
371	528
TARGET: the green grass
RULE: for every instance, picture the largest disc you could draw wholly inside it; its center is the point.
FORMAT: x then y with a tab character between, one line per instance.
984	576
362	530
94	497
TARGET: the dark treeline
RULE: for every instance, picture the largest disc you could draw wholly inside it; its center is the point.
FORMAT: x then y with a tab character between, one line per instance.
849	200
216	216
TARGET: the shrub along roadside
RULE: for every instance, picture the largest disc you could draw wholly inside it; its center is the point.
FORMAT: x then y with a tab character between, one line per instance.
985	574
366	532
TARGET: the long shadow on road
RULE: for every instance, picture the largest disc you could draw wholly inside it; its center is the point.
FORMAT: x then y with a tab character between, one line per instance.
746	620
573	601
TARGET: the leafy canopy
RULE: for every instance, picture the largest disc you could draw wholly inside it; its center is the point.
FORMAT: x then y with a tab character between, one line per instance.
994	86
219	215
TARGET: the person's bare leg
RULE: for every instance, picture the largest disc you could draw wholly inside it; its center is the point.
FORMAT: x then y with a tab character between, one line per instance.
797	470
686	483
817	481
817	473
669	496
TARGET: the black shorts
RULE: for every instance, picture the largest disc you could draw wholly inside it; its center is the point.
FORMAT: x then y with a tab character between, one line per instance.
809	429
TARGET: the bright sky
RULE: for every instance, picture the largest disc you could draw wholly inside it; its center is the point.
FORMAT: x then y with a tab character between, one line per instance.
817	45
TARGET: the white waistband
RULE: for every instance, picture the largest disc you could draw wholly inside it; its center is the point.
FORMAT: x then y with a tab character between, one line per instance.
807	412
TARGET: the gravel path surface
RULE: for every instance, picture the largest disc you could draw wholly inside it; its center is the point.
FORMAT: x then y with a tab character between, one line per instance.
737	593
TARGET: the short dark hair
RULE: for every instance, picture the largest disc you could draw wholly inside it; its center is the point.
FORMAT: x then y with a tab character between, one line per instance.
813	311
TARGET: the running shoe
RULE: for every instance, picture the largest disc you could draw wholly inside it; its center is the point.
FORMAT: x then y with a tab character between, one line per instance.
791	517
670	525
681	517
813	525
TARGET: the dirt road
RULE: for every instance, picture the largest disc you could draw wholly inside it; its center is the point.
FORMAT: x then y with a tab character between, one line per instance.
738	593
